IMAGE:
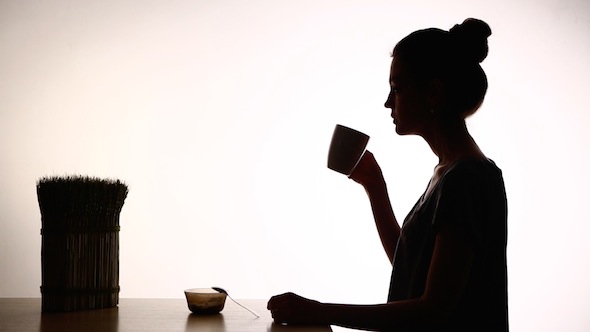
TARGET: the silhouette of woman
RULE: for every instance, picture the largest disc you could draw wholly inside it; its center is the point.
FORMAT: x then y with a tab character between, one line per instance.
449	256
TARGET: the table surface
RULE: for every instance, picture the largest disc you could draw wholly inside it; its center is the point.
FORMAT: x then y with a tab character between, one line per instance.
145	315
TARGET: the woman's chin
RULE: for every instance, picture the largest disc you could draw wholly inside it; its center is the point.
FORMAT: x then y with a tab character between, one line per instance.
400	130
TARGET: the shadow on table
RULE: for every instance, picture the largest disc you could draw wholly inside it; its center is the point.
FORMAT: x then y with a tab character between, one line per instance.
221	323
290	328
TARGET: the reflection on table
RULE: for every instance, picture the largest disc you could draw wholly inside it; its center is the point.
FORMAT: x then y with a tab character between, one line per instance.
143	315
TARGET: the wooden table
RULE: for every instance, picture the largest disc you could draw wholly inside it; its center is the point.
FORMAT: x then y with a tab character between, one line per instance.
143	315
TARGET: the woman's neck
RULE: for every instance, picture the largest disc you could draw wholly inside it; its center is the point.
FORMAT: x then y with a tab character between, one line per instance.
452	142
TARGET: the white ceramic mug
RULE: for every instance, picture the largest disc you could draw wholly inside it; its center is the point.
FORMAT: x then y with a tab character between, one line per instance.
346	149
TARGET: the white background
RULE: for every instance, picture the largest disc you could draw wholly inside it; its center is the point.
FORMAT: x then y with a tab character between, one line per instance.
218	115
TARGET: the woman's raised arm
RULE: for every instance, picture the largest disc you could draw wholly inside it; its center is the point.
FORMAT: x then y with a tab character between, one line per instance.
369	175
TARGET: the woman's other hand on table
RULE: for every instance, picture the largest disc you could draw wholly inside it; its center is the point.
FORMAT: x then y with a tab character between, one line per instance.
290	308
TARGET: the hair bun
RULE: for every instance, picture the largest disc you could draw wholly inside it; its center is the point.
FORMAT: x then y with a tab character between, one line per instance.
471	39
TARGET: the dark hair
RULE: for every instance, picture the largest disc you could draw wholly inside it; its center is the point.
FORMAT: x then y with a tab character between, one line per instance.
453	57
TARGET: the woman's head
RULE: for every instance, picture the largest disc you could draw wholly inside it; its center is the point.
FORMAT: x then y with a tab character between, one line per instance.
451	58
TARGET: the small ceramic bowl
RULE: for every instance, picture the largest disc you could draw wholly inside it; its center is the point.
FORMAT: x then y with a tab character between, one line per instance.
205	300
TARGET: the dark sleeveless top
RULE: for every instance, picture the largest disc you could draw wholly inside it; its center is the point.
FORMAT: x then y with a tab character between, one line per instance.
470	194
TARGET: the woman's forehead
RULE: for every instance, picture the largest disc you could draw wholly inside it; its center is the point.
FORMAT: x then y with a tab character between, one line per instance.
396	72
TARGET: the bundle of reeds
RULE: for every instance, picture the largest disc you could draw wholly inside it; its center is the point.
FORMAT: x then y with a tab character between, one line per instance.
80	242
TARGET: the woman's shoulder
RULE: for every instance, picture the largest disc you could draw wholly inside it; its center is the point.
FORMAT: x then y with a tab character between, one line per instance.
474	169
474	164
473	180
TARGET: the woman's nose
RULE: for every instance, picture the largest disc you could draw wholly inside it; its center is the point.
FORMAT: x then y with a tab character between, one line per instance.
389	101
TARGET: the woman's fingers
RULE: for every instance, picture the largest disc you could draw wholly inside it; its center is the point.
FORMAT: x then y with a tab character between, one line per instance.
367	171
